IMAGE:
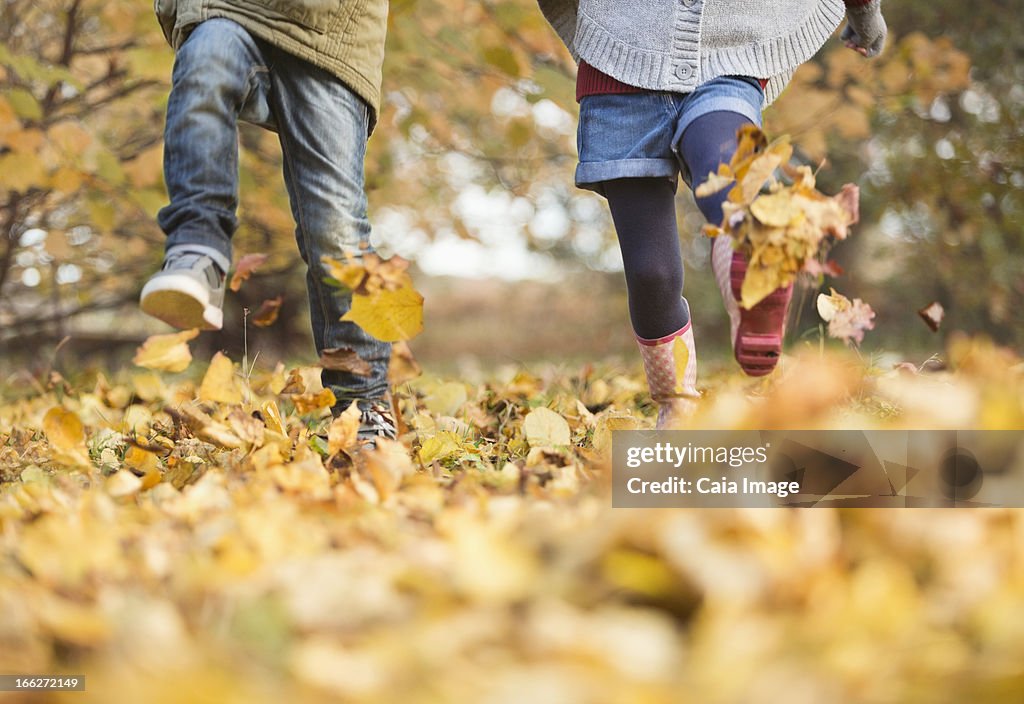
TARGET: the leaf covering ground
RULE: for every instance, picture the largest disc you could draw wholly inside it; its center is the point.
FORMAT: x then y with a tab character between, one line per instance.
186	540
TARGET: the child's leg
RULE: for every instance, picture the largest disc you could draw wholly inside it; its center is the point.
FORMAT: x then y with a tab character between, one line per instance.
710	140
644	213
756	333
323	127
643	210
215	72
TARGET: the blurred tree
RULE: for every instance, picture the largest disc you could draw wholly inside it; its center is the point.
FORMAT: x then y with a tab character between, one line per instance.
479	100
932	132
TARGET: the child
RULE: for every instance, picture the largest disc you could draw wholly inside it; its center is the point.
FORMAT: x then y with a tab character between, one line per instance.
310	71
663	87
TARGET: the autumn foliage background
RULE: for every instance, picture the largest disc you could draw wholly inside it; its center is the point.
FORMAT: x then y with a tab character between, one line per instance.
178	532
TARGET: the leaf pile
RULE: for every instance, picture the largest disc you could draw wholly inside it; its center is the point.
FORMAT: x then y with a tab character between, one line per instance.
782	231
223	540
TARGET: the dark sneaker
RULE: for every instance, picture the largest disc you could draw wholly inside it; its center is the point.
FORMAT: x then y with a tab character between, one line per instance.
376	421
187	292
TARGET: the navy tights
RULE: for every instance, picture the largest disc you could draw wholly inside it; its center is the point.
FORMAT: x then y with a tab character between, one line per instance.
644	213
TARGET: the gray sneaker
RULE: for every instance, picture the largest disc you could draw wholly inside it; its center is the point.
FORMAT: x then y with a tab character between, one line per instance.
376	421
187	292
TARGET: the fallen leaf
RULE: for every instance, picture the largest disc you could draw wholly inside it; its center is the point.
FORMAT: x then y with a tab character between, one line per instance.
446	399
343	433
266	315
388	463
63	429
294	384
441	446
309	402
545	428
219	383
245	268
932	314
205	427
345	359
389	315
169	353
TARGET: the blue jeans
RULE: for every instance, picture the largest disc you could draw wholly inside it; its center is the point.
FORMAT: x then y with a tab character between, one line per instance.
638	135
223	74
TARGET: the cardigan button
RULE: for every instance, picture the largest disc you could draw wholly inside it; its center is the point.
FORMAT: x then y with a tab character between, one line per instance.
684	71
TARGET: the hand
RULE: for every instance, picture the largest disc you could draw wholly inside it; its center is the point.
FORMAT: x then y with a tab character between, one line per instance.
865	30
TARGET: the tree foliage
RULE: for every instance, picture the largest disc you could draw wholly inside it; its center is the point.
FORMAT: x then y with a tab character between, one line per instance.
478	106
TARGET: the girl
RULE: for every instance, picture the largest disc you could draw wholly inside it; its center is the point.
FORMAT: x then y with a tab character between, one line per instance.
663	86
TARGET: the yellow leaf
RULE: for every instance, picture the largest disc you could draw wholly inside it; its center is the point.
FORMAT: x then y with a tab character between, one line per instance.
545	428
344	430
441	446
63	429
446	399
305	474
219	384
349	272
758	284
715	182
138	459
149	386
309	402
272	418
775	209
168	353
206	428
389	315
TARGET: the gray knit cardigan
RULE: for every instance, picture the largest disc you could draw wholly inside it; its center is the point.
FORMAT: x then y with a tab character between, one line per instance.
676	45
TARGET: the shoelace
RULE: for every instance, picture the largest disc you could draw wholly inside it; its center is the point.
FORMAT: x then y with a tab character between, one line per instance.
377	422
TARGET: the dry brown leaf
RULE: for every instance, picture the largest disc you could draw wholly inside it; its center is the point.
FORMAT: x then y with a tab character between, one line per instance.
248	264
932	314
267	313
345	359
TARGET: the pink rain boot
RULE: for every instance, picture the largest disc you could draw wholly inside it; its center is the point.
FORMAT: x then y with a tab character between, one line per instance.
670	364
756	333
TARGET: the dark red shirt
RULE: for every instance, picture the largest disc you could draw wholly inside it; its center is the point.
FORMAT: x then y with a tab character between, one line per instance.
590	81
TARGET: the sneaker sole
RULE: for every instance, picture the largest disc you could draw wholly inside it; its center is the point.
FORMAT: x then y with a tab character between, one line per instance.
180	302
